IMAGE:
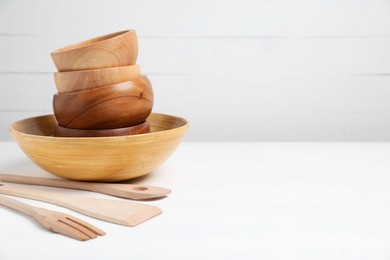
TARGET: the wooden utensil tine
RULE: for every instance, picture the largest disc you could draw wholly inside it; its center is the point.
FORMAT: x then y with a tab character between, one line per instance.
55	221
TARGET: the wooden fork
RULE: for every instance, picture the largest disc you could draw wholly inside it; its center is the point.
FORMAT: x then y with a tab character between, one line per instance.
55	221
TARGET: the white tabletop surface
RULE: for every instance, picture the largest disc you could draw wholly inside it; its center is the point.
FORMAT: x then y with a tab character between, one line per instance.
233	201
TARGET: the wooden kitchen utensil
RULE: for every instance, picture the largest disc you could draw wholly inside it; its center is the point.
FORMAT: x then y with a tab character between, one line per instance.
121	212
129	191
55	221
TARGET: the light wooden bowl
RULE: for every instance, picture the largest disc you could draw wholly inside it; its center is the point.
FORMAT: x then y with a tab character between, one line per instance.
78	80
121	105
102	159
112	50
142	128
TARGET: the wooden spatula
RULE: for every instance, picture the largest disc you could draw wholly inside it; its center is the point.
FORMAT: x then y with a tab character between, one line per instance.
121	212
129	191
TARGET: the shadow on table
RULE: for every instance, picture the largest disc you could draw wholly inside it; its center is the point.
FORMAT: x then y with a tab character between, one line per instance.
28	168
23	167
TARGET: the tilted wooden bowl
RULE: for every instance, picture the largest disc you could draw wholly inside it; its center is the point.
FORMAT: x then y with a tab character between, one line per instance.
121	105
142	128
78	80
99	158
112	50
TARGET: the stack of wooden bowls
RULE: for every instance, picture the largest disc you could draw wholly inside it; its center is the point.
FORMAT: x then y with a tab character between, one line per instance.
101	91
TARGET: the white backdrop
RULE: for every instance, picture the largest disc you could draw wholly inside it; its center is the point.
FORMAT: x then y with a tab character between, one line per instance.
238	70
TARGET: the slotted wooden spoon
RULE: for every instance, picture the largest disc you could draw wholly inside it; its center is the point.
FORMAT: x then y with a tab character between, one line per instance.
129	191
123	212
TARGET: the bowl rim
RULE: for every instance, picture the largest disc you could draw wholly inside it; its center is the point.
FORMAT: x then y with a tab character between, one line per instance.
97	89
184	126
135	67
91	41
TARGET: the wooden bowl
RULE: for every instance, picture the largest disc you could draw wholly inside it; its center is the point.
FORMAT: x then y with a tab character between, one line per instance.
112	50
121	105
99	158
78	80
142	128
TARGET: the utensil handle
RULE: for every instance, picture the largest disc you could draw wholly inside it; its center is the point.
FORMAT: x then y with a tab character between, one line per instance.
17	205
75	203
31	193
122	212
44	181
129	191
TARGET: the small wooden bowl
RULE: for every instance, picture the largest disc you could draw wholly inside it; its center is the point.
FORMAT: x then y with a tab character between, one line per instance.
112	50
78	80
121	105
103	159
142	128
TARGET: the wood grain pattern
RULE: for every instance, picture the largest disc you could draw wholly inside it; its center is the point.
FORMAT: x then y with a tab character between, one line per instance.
103	159
129	191
114	50
142	128
72	81
116	106
122	212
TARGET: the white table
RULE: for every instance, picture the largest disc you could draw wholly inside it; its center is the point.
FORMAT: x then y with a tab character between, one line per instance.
234	201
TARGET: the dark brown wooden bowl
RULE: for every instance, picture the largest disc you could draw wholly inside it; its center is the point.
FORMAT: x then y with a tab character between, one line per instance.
116	106
142	128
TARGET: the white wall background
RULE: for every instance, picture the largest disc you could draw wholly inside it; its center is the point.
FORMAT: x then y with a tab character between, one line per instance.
239	70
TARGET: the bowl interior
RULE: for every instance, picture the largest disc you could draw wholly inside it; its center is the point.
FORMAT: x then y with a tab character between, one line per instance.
45	125
113	158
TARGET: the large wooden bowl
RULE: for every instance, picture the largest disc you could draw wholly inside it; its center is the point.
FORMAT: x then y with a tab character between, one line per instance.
112	50
78	80
99	158
121	105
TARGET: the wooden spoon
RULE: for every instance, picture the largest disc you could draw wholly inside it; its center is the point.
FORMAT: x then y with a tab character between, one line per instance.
117	211
129	191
